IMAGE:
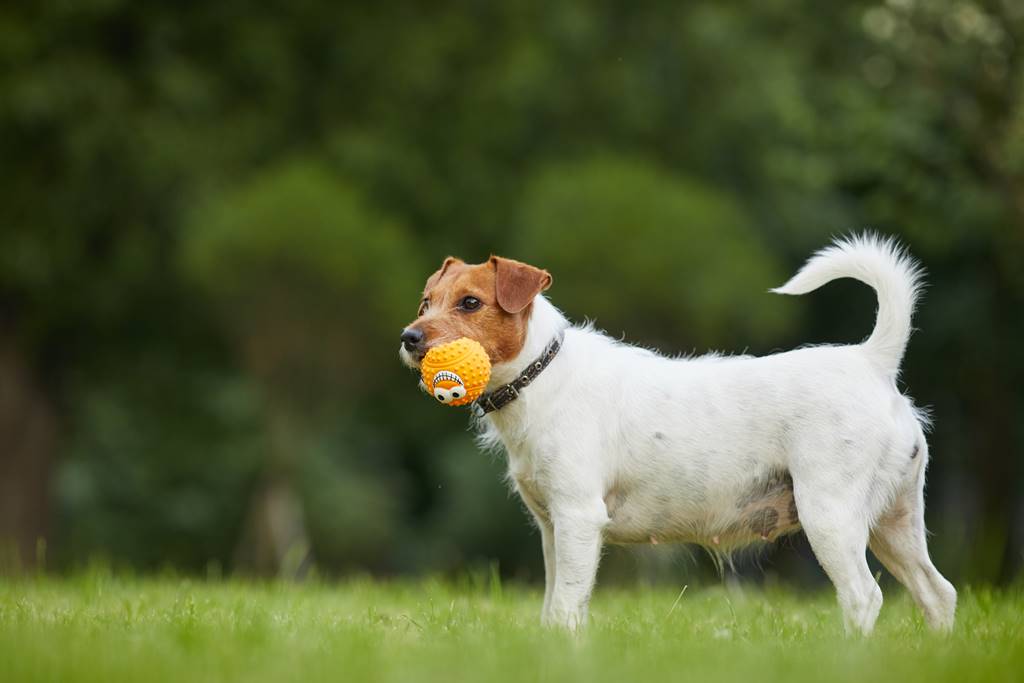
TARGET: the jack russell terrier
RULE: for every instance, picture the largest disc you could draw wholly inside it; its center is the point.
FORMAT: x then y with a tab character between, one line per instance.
608	442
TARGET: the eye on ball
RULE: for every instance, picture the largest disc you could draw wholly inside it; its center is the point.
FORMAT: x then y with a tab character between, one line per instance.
456	373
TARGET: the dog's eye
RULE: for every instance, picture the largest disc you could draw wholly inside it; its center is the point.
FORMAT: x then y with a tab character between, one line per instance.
469	303
424	305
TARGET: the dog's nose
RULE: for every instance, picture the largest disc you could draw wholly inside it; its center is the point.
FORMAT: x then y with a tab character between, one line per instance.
411	338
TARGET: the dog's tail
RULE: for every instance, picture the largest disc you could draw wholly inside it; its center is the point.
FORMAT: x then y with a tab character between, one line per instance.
885	266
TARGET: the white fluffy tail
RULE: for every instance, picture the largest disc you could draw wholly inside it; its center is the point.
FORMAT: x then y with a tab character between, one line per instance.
885	266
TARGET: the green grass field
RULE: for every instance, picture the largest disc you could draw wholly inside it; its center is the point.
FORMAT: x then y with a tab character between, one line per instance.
98	628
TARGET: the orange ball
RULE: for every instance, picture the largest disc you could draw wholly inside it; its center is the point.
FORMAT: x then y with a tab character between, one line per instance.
456	373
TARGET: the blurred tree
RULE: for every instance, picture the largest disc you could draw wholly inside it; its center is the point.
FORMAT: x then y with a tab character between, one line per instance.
294	260
687	253
27	442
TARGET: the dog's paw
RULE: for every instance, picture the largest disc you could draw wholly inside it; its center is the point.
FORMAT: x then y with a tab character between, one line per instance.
570	621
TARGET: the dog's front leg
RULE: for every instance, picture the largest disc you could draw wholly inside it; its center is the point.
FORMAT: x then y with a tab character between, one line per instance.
547	537
578	537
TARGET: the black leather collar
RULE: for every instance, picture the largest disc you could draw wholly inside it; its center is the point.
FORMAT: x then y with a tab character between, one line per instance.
503	395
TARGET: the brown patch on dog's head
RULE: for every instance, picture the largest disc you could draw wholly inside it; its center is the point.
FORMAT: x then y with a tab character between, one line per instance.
490	302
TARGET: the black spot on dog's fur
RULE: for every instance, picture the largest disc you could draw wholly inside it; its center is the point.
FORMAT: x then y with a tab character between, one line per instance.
766	508
917	447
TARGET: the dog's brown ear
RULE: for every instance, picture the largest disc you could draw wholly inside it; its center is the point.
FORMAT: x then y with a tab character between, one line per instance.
439	273
516	283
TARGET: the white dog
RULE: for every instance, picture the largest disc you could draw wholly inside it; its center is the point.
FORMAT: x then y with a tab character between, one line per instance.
611	443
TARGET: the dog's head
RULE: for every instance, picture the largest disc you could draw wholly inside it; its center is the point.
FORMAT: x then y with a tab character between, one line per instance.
489	302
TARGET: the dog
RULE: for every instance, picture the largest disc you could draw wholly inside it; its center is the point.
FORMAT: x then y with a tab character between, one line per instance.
610	443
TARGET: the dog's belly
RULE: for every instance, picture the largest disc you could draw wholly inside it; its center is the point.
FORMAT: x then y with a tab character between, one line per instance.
760	508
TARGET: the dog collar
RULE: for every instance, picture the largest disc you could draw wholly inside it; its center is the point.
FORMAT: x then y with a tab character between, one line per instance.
503	395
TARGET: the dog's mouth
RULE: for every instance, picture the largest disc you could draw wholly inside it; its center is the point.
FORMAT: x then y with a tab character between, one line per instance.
411	359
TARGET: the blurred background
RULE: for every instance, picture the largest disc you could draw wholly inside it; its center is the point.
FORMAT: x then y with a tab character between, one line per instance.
216	218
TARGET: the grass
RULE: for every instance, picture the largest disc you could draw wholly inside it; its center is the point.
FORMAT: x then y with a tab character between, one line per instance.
96	627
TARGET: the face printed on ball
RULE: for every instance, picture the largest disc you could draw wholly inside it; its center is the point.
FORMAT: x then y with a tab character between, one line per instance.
448	387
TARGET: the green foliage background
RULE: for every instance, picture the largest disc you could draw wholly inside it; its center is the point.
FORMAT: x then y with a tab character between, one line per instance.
216	217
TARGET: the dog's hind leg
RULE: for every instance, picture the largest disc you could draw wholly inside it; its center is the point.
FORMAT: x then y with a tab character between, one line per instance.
838	535
898	541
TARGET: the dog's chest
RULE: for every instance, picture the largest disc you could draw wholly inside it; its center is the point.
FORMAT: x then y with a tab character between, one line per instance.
530	482
530	476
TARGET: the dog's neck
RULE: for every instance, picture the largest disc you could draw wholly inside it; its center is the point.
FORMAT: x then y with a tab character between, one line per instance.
546	322
507	426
